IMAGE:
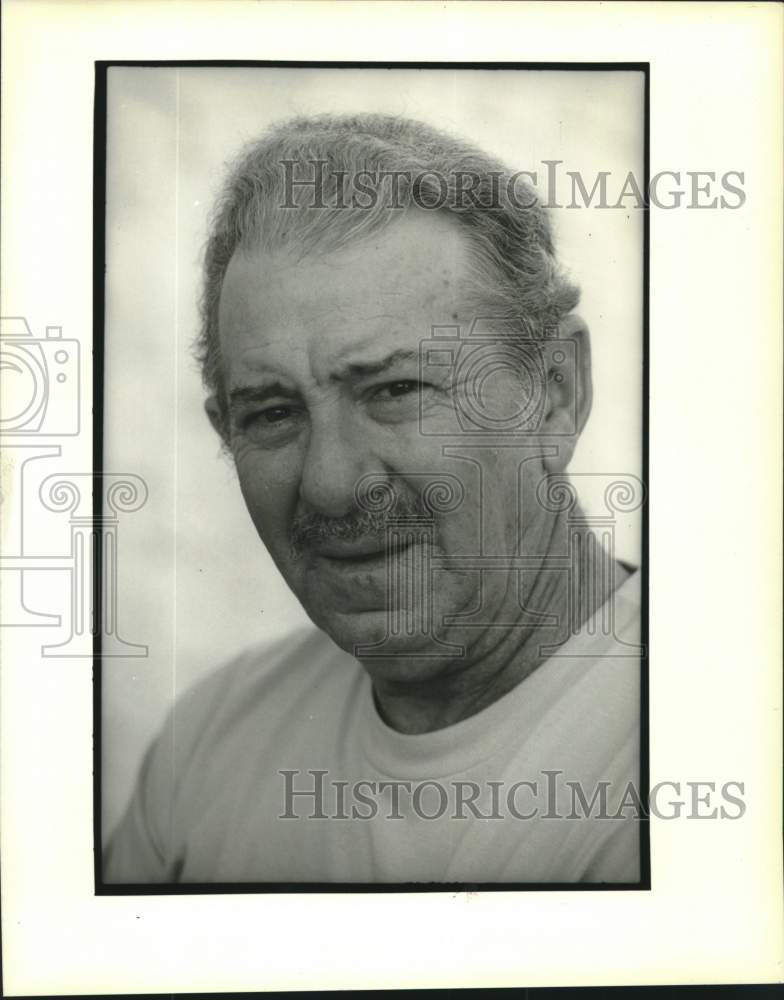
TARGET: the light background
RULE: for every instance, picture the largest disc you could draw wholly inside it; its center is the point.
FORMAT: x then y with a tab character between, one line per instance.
714	912
196	584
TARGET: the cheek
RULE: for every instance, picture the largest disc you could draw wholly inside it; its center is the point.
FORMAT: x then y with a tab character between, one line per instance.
499	505
270	489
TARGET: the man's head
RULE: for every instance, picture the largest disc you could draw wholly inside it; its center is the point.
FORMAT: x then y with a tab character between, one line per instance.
340	249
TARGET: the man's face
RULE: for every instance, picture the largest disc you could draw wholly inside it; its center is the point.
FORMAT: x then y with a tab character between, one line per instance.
321	357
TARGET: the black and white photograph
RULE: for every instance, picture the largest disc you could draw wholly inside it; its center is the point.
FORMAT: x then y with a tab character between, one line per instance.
374	346
390	494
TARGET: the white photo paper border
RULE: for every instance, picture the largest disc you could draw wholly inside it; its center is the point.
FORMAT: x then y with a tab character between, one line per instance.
714	912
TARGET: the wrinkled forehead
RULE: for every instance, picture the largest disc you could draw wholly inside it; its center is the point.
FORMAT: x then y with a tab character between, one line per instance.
391	285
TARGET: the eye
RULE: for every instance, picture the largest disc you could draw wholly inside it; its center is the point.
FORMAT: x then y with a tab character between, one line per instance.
273	415
402	387
398	401
264	418
271	426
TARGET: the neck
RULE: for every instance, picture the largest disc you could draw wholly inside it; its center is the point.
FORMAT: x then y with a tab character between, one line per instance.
503	656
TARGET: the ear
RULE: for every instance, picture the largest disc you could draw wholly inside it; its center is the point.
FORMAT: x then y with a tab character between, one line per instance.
569	389
215	414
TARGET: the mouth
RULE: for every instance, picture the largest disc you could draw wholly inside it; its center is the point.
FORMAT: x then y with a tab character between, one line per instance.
369	553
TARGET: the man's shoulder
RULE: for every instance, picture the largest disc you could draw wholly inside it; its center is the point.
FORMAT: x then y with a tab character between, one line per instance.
261	683
590	689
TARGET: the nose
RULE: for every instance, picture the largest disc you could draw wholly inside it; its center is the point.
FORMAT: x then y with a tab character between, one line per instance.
337	455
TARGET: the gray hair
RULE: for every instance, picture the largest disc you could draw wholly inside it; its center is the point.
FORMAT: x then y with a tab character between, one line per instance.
264	203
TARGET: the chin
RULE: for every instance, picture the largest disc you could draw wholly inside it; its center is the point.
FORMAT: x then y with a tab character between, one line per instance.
401	658
350	630
354	613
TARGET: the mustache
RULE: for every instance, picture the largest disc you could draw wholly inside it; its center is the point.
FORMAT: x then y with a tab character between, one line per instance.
311	528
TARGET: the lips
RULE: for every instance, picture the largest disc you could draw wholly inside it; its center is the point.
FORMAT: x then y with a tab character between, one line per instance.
367	550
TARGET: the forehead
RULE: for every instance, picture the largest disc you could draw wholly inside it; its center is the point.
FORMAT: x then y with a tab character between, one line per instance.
279	310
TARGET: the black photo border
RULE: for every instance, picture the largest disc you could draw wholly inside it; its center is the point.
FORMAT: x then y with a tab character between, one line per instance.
99	262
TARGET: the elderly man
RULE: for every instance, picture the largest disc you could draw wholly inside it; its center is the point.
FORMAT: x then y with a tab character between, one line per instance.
394	365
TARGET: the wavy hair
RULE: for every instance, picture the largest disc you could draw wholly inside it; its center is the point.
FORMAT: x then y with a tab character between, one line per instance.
509	230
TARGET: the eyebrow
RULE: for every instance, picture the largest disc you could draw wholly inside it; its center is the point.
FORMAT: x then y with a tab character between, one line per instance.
258	393
360	368
249	394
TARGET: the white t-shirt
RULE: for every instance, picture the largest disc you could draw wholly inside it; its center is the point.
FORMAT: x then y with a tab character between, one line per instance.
489	799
